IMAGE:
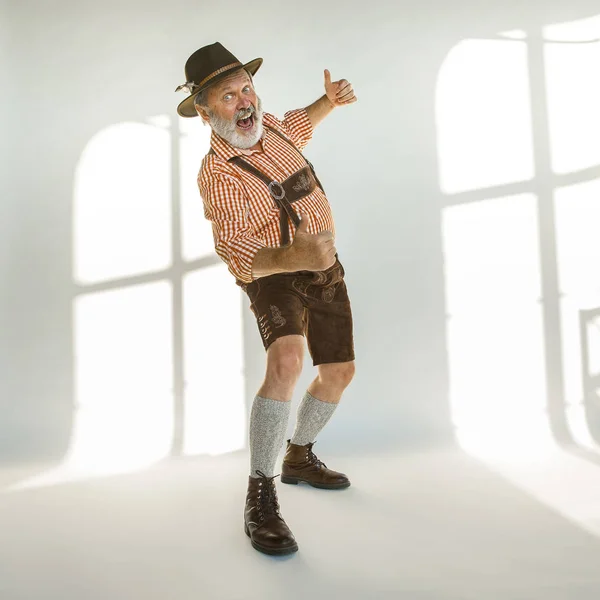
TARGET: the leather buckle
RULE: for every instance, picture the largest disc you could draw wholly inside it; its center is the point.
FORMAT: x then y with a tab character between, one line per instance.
272	185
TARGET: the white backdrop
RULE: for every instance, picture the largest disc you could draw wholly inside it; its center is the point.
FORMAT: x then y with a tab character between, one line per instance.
444	118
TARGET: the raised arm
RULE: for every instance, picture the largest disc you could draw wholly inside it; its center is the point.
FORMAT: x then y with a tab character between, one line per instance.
337	93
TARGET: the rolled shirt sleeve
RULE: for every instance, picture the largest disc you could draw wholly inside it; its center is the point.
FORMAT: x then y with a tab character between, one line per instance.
297	126
226	206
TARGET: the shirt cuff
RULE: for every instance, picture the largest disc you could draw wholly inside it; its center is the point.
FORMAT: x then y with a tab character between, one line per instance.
240	264
300	125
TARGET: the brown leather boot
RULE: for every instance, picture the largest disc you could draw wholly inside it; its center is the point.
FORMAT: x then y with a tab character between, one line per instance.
263	522
301	464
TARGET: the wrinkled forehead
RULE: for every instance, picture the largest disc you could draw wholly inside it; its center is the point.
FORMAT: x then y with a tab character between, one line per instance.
238	78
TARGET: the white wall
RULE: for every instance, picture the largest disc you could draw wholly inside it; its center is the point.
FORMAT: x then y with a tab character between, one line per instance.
80	67
7	98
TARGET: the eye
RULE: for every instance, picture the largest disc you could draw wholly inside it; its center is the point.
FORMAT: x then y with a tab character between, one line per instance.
227	97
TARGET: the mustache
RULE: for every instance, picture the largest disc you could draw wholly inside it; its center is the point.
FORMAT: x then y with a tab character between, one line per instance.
244	114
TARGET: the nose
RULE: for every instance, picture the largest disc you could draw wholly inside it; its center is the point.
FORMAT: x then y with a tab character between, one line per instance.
244	104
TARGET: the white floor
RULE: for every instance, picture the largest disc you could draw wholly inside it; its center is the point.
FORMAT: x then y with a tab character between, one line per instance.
435	525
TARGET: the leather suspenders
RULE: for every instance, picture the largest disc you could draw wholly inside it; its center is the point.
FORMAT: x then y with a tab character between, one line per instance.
295	187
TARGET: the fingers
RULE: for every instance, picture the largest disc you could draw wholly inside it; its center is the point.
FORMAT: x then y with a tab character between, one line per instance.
346	98
345	93
349	100
343	86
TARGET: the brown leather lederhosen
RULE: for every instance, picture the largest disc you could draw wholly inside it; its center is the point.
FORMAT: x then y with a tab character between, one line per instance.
297	186
315	303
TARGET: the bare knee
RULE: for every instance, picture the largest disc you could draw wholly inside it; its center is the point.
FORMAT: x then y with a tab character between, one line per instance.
285	359
337	374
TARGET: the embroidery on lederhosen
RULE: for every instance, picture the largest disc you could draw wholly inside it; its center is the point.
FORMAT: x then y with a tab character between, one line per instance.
301	285
278	318
302	184
265	328
329	293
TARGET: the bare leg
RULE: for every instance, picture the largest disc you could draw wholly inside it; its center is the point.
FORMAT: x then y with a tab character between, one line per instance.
332	380
284	365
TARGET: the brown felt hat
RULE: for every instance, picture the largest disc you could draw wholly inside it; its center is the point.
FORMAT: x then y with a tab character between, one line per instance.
207	66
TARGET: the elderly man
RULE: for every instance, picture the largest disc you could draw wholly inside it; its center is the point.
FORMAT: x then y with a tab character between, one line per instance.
287	264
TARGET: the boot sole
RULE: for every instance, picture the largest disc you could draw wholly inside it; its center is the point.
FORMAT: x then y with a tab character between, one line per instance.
322	486
270	551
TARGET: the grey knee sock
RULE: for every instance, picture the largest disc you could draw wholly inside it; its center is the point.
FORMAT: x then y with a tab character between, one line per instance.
268	424
312	416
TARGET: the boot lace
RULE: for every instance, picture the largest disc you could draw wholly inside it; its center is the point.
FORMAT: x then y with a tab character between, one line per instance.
313	458
267	503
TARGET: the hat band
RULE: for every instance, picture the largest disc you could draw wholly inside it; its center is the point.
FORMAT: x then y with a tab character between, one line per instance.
219	71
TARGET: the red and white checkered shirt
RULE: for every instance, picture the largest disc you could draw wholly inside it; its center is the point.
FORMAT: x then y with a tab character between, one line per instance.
244	217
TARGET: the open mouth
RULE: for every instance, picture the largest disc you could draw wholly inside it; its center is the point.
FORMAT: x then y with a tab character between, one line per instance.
246	123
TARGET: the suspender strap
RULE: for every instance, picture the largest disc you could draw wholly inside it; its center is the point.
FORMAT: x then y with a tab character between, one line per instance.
285	139
240	162
277	191
289	142
285	208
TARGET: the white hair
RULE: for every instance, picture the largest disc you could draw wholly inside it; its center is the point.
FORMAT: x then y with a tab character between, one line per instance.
201	98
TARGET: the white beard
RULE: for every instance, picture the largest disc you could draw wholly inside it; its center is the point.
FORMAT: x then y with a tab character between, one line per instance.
230	132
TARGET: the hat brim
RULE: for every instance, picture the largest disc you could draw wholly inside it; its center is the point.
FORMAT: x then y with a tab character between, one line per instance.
186	108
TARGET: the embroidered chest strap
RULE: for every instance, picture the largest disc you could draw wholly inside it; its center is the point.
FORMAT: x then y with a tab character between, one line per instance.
278	193
297	186
290	143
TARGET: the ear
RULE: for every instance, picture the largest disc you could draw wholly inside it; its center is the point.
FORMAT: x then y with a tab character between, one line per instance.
202	113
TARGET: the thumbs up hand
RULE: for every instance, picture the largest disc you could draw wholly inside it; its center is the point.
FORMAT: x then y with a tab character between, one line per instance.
311	251
339	92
